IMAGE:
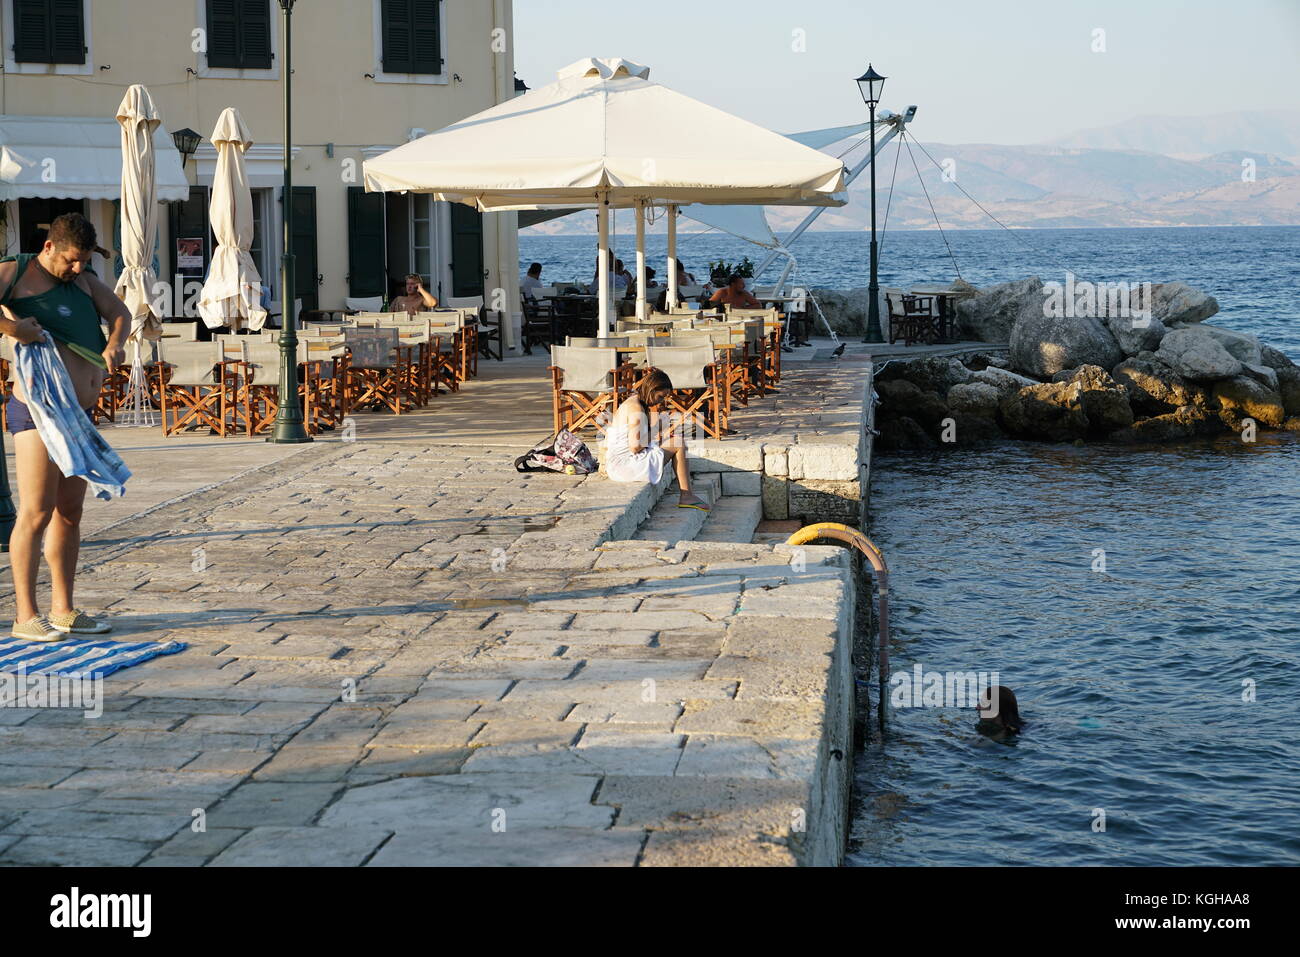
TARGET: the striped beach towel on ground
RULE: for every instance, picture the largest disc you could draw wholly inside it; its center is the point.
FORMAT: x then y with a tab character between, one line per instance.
80	658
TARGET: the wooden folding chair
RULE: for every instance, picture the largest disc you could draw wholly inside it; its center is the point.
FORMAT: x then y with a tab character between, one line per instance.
586	384
378	374
196	387
697	387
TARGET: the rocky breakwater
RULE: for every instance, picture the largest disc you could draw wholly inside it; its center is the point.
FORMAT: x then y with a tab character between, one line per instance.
1154	372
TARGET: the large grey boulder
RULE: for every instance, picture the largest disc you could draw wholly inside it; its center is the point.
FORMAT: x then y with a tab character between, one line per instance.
1242	346
846	309
901	397
1044	345
1262	374
1178	302
1185	422
1048	410
1004	380
1105	401
930	374
1198	355
991	314
1243	397
974	398
1275	358
1154	388
1288	386
1136	334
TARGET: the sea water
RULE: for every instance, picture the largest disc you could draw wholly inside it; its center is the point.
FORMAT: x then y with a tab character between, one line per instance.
1144	604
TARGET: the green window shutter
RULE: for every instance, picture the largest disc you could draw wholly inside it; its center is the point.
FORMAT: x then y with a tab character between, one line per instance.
426	38
366	260
396	17
255	34
68	31
49	31
412	36
304	246
466	251
239	34
223	34
32	31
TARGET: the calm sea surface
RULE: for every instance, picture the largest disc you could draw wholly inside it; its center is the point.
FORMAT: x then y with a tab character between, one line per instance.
1131	680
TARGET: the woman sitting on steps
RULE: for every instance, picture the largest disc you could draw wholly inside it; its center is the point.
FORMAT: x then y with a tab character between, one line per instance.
633	456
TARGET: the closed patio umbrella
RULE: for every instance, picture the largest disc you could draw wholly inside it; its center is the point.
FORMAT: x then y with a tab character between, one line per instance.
232	293
139	218
604	135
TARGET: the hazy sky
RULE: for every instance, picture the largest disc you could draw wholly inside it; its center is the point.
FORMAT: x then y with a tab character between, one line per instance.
990	71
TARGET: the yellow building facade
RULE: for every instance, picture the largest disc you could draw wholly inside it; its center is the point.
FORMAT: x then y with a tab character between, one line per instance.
368	75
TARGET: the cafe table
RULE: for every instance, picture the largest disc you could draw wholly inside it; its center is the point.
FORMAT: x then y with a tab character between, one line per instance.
945	299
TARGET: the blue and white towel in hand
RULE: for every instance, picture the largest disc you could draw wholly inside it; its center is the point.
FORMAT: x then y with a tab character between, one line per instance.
75	445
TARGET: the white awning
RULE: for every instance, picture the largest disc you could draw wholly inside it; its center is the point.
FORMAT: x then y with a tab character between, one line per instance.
77	157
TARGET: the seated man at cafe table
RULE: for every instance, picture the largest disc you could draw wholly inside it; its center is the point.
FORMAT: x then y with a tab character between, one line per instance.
733	294
417	298
532	281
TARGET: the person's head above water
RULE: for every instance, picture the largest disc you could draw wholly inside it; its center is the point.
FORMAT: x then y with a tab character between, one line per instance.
998	709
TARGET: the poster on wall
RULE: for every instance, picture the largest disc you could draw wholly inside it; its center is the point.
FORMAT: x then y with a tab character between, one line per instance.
189	257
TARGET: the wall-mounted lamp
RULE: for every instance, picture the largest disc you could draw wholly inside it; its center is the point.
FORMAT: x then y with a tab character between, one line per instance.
187	143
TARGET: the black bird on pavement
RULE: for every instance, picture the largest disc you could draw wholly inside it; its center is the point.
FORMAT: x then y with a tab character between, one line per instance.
839	350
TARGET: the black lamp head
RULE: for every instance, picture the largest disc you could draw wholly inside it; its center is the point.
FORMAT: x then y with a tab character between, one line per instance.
187	142
871	84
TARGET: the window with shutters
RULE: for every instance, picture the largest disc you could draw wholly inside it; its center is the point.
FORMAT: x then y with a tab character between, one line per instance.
240	36
410	43
47	36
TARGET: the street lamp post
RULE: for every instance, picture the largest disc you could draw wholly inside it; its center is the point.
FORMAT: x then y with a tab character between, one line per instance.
871	84
288	418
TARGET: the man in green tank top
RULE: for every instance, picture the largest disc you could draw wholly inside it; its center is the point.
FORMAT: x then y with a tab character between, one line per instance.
53	292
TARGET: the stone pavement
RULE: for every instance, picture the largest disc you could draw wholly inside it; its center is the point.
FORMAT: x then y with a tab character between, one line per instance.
404	652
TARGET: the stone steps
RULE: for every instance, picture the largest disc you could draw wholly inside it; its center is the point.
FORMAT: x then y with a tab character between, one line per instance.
668	523
733	519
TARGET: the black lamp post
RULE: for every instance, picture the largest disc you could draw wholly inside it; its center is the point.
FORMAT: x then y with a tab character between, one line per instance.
289	426
871	84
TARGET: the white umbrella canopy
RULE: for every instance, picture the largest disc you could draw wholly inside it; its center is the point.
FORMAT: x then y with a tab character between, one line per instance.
139	216
604	131
232	293
603	134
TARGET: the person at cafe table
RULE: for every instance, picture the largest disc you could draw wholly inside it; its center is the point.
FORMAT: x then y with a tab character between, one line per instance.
417	298
733	294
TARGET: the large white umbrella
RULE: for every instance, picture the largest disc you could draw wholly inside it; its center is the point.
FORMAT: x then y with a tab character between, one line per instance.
232	293
139	223
604	135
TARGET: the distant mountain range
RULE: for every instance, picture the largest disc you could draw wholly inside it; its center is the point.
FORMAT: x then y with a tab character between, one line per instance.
1232	169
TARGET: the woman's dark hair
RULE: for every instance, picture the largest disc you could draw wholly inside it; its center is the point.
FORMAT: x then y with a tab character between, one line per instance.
75	230
1007	715
653	388
618	265
535	269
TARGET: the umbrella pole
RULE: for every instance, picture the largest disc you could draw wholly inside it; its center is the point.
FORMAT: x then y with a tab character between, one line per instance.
602	267
640	260
672	254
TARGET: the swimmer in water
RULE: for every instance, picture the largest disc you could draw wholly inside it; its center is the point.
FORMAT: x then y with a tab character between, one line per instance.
999	714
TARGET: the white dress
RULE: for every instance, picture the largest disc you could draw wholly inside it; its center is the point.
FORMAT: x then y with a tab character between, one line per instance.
624	465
